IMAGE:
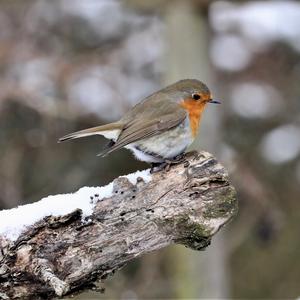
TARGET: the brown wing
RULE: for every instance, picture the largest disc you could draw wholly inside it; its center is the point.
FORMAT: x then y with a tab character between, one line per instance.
148	123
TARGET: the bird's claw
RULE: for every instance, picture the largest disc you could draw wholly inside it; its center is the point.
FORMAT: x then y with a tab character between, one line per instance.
166	165
157	167
196	155
186	164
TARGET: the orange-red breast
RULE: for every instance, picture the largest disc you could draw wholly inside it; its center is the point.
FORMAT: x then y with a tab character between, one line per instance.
161	126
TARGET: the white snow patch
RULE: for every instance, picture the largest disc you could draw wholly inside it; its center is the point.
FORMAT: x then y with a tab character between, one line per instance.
14	221
145	174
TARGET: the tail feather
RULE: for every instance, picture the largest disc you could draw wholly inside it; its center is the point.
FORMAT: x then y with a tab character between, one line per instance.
110	131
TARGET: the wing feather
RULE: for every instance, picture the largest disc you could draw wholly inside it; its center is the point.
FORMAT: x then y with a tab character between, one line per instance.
144	125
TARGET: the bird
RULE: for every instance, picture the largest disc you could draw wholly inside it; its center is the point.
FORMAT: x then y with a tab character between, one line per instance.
158	129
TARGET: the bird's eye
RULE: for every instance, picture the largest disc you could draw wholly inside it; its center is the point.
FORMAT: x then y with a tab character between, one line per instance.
196	96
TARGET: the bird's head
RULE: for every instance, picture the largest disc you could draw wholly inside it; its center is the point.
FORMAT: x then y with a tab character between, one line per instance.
192	95
192	90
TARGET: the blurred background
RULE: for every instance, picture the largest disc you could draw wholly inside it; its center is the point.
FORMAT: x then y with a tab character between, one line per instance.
67	65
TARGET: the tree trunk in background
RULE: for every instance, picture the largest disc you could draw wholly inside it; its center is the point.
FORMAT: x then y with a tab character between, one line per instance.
199	275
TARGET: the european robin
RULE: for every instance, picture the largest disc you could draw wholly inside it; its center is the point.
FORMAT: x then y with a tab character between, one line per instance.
160	127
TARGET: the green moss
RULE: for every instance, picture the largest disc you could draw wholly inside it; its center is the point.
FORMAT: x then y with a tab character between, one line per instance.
224	205
194	235
194	229
197	236
200	231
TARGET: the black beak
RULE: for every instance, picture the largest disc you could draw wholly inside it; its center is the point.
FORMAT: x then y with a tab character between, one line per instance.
214	101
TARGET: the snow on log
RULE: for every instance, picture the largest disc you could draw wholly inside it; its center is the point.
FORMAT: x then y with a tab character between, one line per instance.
68	243
14	221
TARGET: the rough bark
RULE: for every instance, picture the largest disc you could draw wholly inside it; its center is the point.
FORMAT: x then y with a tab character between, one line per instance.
59	256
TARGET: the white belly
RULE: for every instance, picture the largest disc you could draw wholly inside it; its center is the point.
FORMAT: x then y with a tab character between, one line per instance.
166	145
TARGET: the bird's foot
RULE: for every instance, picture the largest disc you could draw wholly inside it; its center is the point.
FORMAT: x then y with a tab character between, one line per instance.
194	154
181	158
157	167
177	159
166	165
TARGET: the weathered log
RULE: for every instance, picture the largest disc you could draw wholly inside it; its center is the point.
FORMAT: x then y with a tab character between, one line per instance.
58	256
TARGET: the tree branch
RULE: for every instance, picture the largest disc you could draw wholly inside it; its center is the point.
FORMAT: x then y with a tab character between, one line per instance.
61	255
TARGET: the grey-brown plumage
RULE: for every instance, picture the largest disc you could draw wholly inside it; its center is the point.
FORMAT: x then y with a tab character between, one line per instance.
160	113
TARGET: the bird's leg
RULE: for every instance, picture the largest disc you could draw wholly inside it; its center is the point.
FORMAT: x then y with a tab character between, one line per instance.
166	165
181	158
153	165
177	159
195	154
156	167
